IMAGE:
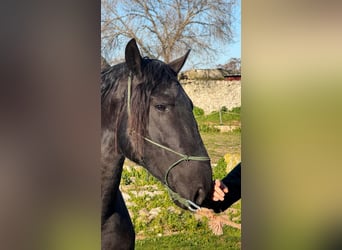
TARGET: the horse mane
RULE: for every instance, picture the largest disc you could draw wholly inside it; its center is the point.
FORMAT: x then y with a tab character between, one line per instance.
110	77
154	73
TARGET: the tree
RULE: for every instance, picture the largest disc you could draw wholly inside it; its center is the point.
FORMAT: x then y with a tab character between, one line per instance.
233	66
166	28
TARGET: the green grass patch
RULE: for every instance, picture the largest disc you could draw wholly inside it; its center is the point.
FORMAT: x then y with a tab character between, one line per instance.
218	144
227	117
172	227
201	239
220	170
209	123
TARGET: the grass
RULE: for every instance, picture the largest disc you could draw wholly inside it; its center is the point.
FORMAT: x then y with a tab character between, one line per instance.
201	239
228	118
219	144
172	227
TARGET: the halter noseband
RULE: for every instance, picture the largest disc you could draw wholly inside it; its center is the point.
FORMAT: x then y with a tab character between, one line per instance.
174	195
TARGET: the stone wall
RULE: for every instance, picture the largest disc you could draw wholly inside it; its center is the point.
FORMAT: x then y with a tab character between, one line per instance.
210	95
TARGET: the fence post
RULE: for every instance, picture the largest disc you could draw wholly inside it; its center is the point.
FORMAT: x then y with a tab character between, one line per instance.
220	112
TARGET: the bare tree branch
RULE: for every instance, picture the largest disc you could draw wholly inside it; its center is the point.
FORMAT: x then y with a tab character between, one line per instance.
166	28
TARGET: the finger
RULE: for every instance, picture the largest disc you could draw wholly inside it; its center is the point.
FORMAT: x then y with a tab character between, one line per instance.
224	188
217	182
216	194
221	185
217	197
219	191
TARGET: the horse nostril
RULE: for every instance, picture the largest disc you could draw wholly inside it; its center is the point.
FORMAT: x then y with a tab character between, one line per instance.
199	196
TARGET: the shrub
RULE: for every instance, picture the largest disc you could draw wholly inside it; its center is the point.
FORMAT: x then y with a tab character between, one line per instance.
236	110
198	111
224	109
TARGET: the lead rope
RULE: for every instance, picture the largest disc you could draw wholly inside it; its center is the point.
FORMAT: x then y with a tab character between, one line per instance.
216	221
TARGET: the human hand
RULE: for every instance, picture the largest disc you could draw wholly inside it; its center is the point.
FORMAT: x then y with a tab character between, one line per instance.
219	191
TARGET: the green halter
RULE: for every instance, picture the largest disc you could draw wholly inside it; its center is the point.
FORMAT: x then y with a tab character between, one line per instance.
174	195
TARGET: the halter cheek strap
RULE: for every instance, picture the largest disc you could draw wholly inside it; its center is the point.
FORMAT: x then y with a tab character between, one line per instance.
174	195
129	90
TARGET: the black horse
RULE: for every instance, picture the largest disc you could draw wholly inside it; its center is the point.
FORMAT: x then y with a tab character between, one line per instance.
147	117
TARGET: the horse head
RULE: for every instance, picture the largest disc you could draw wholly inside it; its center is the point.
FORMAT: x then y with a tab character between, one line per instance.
158	129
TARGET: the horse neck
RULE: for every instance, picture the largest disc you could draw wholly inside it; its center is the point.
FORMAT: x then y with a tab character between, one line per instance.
110	182
112	114
111	164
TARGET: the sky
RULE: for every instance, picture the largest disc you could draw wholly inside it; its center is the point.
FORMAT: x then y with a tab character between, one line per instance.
228	50
234	49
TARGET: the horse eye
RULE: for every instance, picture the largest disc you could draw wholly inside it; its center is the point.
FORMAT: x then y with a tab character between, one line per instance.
161	107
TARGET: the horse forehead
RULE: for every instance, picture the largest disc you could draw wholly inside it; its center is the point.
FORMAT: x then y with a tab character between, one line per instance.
158	70
167	88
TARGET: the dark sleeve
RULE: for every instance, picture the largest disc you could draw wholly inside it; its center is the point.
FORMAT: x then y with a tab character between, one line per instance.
233	182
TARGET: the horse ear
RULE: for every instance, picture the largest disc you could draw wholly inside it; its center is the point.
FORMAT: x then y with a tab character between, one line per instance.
177	64
133	57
